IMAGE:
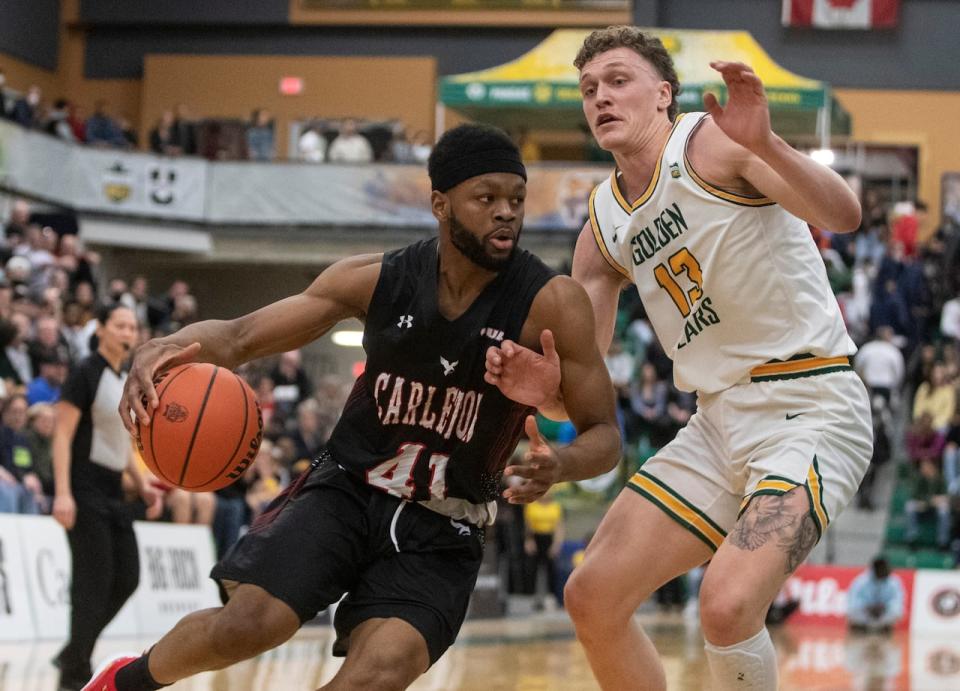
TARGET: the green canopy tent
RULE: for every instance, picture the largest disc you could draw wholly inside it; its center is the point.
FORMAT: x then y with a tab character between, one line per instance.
539	90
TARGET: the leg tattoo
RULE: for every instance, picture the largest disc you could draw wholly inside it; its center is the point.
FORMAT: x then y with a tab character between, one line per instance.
776	517
798	545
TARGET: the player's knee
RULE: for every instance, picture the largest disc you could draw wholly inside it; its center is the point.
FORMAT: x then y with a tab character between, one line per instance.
586	599
245	630
388	670
726	612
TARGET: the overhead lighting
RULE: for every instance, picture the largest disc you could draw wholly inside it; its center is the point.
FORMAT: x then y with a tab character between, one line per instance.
350	339
823	156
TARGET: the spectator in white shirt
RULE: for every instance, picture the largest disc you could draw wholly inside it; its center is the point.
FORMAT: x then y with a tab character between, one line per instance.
880	364
950	319
350	146
311	146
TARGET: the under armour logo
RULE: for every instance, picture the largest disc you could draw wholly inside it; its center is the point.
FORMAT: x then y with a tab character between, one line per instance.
406	321
448	366
463	528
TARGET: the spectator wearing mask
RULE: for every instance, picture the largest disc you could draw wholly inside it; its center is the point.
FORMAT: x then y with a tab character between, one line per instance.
880	364
260	136
20	488
875	601
350	146
91	452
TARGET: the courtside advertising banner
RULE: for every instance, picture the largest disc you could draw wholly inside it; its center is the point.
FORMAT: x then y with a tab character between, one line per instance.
175	563
936	603
46	560
822	592
935	661
35	570
16	622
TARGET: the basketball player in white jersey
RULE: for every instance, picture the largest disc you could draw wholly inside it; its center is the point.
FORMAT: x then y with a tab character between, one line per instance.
706	214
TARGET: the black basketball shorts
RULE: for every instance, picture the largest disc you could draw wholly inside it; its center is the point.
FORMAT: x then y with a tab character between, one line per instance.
332	534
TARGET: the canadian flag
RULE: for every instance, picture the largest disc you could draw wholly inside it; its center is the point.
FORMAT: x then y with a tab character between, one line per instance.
841	14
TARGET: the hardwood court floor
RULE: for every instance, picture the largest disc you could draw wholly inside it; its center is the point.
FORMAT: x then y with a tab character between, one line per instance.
540	653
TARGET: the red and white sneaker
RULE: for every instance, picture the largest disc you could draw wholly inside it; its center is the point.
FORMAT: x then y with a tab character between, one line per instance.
104	679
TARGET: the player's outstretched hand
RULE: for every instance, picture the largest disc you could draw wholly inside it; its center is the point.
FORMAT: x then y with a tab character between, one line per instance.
523	375
539	471
139	395
746	116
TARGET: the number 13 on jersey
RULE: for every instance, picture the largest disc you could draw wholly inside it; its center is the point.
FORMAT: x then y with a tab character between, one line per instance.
681	262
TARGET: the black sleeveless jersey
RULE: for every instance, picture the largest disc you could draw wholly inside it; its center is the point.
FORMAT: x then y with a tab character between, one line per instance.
421	423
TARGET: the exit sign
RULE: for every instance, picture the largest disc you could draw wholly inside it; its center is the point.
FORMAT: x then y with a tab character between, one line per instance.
291	86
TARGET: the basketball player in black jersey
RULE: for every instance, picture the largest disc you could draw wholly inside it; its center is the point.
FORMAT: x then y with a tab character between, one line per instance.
392	515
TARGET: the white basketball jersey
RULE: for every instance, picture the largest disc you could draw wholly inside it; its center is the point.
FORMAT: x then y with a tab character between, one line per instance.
732	285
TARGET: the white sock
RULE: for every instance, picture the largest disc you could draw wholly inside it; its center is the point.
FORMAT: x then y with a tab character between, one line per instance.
749	665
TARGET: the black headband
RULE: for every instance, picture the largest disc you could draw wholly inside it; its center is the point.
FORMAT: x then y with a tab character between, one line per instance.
451	173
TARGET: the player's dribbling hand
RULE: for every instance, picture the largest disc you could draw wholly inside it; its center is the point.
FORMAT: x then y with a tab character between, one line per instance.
139	394
538	472
746	116
524	375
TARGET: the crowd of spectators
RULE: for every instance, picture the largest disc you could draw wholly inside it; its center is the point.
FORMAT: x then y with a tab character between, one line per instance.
179	133
50	288
65	119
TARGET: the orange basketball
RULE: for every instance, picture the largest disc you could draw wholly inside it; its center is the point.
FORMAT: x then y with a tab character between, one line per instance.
206	431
